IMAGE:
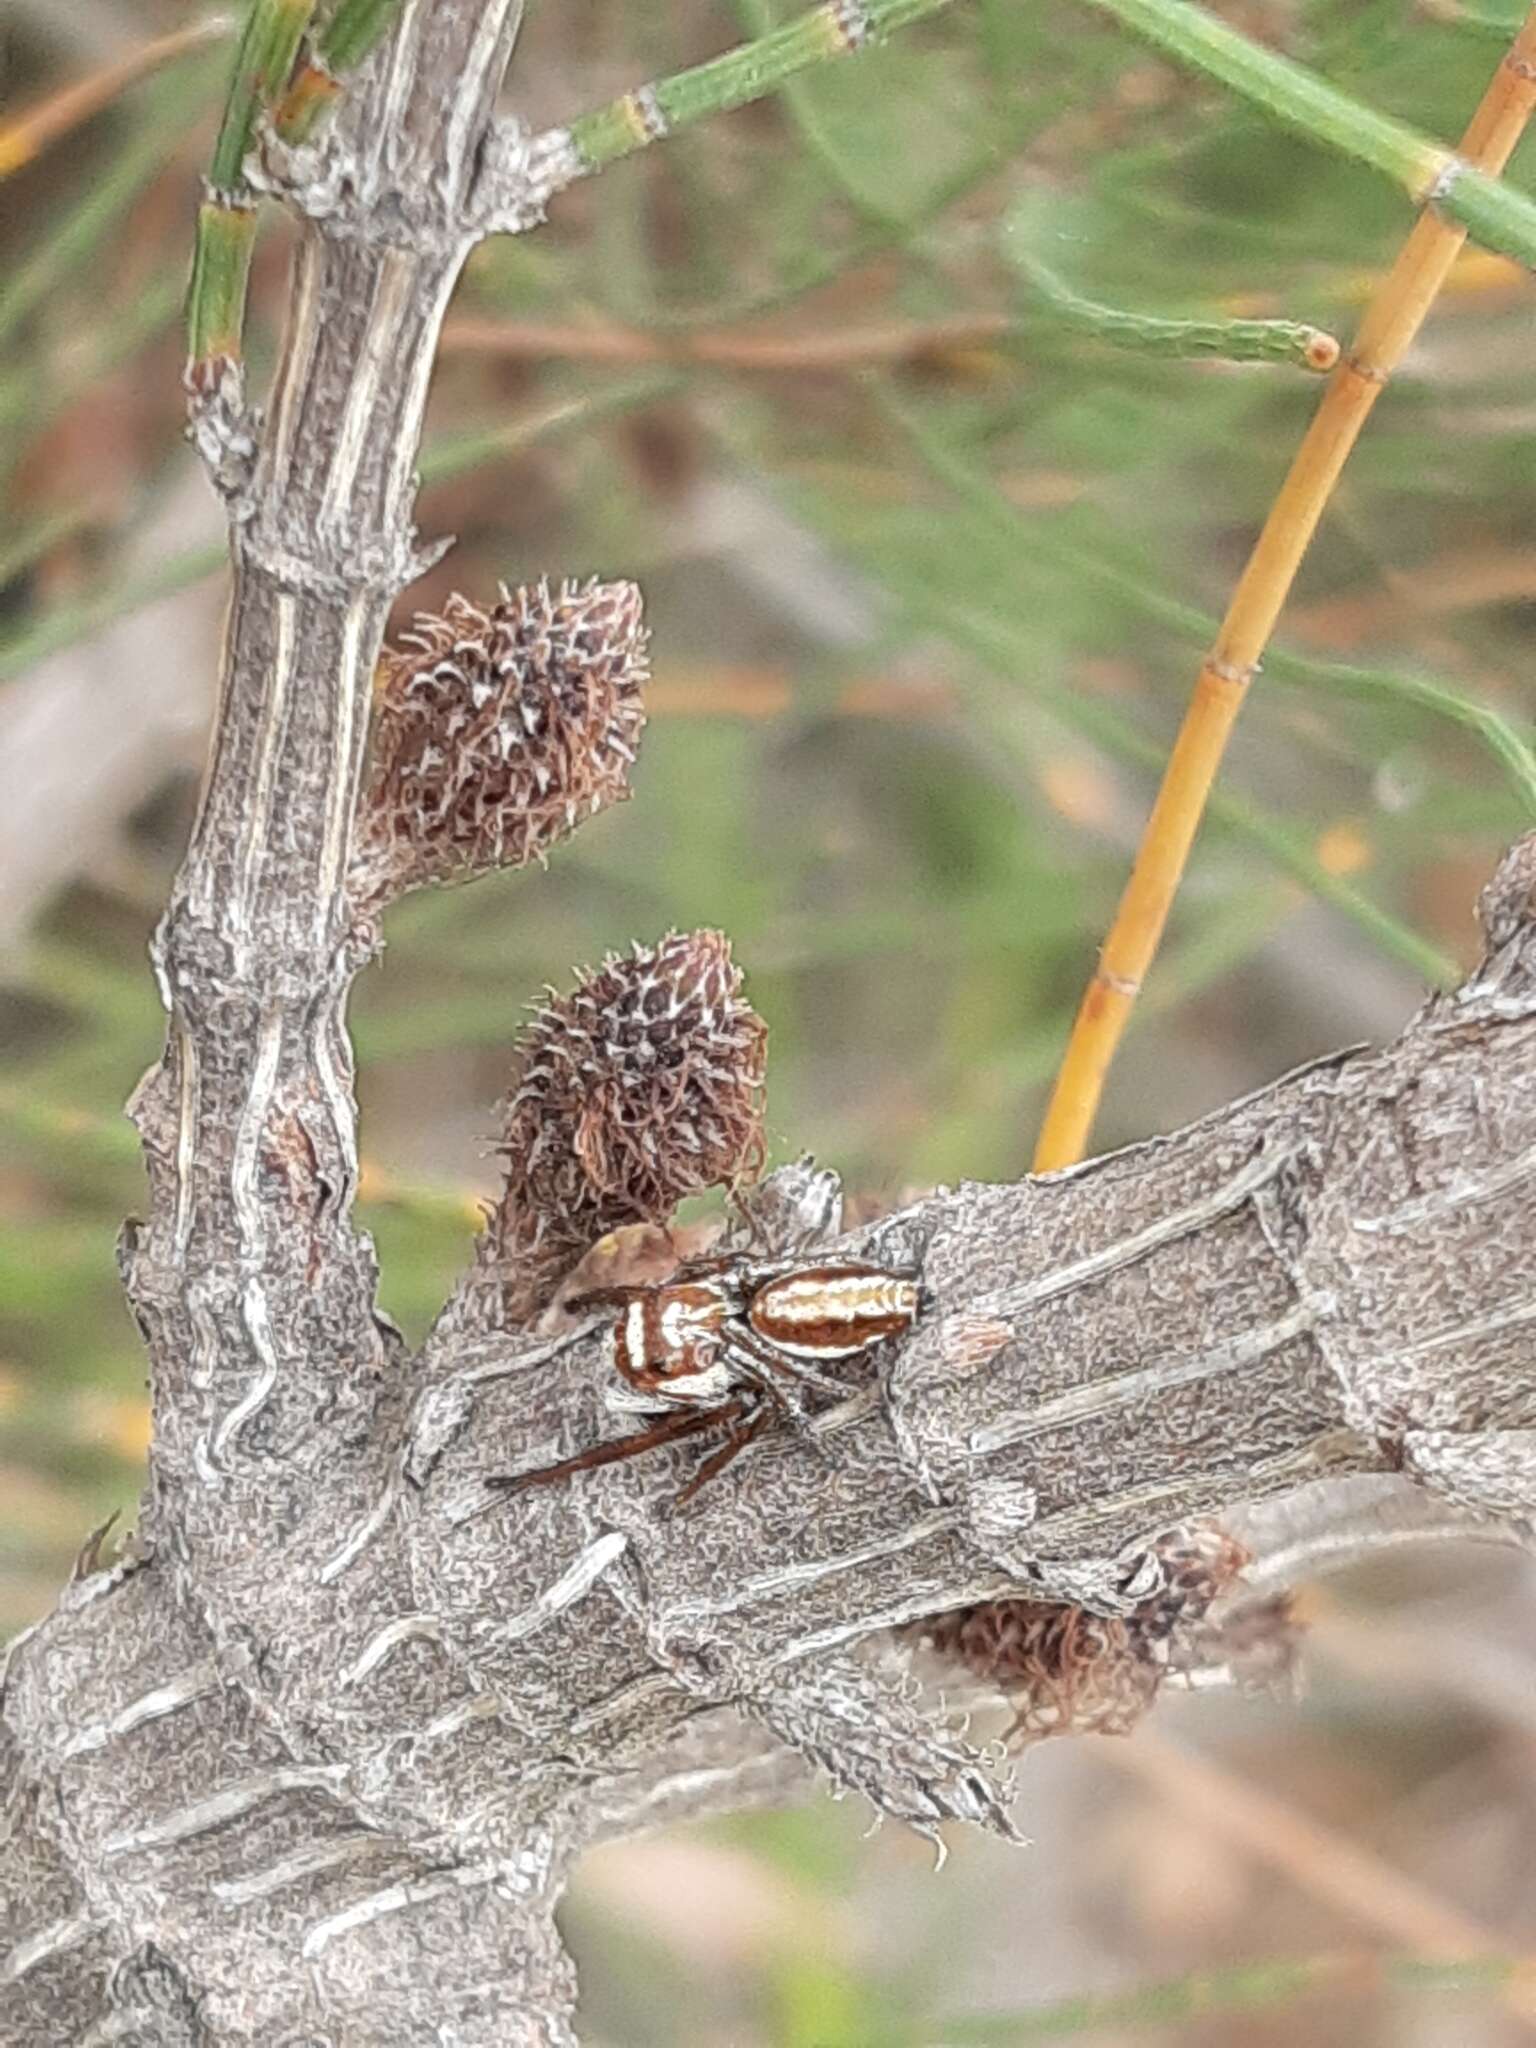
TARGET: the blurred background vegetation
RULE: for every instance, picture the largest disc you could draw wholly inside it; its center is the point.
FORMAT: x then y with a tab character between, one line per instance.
929	571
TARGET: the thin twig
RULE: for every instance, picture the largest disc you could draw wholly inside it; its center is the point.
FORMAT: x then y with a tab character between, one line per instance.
1241	341
27	134
1390	324
1346	1876
729	348
226	222
892	343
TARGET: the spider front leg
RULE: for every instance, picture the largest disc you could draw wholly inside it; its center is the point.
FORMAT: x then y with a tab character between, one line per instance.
668	1429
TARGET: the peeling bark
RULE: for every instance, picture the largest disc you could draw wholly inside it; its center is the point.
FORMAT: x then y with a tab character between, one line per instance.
312	1762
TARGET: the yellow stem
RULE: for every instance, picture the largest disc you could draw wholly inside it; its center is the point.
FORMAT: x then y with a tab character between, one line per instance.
30	132
1386	332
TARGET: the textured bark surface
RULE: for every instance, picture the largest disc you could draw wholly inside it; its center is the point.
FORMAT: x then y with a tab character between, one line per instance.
311	1764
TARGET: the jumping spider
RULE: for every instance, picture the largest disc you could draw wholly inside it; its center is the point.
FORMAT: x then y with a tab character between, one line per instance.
731	1344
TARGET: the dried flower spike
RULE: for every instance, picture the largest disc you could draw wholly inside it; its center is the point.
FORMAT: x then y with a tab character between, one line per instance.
641	1087
496	732
1066	1671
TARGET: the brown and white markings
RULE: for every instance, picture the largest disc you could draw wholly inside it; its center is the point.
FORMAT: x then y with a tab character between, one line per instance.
730	1344
833	1311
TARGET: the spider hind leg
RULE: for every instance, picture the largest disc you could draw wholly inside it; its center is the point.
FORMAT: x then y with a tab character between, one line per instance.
743	1429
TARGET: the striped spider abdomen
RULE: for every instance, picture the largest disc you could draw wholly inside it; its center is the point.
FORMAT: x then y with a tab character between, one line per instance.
835	1310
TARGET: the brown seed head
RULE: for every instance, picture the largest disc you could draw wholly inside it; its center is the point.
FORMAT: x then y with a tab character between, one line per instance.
1065	1671
1061	1669
496	732
642	1086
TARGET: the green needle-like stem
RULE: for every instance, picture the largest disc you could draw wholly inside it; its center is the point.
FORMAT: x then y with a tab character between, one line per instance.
1426	171
745	73
226	220
340	47
1148	334
263	79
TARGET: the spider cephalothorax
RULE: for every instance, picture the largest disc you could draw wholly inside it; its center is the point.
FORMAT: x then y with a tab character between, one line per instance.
731	1343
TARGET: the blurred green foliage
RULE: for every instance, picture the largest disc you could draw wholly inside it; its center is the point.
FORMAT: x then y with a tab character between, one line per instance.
923	626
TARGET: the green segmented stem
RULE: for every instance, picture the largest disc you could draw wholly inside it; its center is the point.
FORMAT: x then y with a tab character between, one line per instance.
221	269
1496	215
352	32
1233	341
263	79
743	74
340	47
226	221
623	126
263	60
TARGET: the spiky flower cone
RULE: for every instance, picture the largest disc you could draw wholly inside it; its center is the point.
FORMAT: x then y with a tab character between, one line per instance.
641	1087
1065	1671
497	732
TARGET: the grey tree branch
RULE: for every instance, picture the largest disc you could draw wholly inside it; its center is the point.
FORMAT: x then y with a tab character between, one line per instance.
1327	1282
312	1761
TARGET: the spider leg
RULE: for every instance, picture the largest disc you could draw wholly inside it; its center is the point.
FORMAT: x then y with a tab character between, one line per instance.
771	1386
702	1266
601	1297
734	1444
783	1382
768	1358
668	1429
